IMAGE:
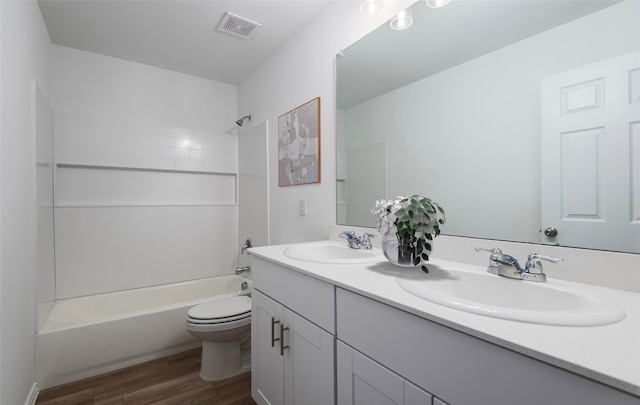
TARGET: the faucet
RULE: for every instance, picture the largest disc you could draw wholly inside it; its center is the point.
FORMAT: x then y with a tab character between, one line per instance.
240	270
356	242
493	265
247	245
507	266
352	239
365	242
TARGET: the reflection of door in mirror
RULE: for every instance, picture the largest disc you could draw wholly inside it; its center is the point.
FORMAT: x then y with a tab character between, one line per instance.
590	123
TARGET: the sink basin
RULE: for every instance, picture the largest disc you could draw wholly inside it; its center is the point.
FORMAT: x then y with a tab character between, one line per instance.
330	252
551	303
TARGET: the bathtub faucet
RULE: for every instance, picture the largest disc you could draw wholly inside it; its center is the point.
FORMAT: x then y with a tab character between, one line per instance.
247	245
240	270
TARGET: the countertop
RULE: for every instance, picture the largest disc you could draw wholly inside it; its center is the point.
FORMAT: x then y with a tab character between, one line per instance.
608	354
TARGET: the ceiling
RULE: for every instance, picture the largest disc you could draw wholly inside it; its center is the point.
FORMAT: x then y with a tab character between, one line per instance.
180	35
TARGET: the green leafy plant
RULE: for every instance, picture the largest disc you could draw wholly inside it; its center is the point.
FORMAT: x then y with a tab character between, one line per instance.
416	221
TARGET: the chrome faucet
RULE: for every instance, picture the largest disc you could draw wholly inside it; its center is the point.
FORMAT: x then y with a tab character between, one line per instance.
356	242
493	265
247	245
507	265
240	270
365	241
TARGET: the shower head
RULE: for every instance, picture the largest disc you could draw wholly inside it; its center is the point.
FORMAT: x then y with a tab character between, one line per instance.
241	120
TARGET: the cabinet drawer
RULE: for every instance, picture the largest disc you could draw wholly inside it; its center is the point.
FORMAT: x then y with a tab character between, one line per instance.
312	298
458	367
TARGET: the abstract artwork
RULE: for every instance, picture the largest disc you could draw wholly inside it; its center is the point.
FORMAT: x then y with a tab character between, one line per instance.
299	145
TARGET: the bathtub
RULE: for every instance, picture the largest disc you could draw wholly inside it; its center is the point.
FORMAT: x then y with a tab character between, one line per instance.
86	336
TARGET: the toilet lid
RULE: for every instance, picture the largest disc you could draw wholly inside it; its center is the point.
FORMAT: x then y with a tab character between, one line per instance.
221	308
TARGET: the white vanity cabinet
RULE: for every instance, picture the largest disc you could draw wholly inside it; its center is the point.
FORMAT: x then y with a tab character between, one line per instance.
292	337
455	367
362	381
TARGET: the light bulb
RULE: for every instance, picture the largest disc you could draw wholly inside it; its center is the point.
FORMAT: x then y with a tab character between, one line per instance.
402	20
437	3
370	7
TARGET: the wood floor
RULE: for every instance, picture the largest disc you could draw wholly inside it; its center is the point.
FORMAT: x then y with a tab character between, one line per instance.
171	380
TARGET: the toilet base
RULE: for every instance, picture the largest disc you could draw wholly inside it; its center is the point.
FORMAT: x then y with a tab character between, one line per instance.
220	360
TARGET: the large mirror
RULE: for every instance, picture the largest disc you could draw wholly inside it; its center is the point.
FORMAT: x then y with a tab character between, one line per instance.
450	108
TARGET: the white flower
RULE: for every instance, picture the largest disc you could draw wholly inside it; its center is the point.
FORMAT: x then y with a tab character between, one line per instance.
386	210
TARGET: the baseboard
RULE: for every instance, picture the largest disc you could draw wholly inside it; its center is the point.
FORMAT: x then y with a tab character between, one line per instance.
33	395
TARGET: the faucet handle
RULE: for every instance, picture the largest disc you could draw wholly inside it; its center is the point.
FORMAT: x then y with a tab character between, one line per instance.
534	256
493	265
247	244
534	266
492	250
352	239
365	242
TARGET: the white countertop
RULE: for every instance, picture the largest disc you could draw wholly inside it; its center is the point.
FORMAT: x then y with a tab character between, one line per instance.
608	354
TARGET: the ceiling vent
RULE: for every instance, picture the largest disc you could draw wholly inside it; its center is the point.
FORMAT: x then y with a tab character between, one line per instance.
237	26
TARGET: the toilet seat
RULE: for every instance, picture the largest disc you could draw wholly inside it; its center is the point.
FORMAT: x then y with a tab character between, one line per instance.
220	311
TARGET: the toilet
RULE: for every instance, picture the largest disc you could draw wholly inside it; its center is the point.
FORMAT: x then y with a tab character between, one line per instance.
221	324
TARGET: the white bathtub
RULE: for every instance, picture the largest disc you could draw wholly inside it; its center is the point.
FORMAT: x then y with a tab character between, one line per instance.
87	336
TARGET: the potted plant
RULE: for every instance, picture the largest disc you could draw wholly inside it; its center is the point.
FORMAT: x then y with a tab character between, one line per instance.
408	226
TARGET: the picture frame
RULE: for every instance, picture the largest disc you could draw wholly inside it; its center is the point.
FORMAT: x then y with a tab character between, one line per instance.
299	159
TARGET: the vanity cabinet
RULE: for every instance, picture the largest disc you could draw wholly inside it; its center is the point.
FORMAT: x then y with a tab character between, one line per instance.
453	366
292	337
362	381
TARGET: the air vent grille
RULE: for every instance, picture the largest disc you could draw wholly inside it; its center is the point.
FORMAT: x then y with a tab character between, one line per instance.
238	26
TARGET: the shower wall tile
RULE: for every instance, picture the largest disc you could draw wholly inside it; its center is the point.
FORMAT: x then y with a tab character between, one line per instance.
90	186
80	138
103	249
88	158
140	204
197	165
202	155
176	153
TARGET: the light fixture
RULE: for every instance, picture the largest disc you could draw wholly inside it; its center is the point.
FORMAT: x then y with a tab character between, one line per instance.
437	3
402	20
370	7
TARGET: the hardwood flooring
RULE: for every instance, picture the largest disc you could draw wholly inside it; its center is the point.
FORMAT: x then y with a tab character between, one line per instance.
170	380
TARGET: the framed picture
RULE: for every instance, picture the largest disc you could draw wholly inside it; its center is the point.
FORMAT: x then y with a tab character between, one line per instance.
299	145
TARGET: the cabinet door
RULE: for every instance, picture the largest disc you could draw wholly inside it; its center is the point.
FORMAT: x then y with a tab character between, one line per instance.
267	365
362	381
308	362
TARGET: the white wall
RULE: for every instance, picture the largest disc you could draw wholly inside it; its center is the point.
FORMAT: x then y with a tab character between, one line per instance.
300	71
146	178
87	83
24	58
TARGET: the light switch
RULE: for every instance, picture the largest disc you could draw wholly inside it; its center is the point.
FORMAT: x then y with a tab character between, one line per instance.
302	207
